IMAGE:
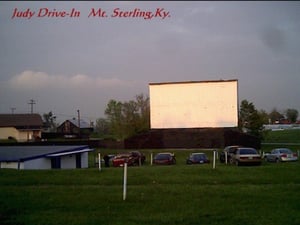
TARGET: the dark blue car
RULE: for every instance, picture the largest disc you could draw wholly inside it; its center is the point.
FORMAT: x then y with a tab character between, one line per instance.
197	158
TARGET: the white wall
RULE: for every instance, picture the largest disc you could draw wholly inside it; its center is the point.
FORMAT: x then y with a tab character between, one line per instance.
20	135
38	164
6	132
194	104
68	162
84	160
10	165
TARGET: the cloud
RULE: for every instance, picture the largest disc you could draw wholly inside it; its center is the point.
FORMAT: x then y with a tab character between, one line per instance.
274	38
32	80
64	94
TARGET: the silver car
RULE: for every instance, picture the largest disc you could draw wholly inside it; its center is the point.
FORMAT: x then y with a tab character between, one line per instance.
245	156
281	155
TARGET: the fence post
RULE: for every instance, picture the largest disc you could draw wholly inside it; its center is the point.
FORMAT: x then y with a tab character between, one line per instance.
214	161
125	182
99	161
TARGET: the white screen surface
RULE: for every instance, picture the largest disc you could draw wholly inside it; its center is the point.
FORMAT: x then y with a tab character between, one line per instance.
194	104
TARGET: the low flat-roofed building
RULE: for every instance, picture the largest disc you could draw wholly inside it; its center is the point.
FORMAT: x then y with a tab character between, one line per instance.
44	157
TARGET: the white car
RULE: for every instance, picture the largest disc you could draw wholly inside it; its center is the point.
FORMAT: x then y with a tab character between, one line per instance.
245	156
281	155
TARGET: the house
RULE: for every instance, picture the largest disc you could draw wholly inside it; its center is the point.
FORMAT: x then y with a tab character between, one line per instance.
44	157
73	128
22	127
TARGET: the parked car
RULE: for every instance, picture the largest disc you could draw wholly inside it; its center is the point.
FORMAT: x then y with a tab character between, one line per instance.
229	150
138	157
133	158
245	156
281	155
164	159
197	158
265	154
109	159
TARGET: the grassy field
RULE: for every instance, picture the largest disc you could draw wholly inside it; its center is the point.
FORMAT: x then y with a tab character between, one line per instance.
283	136
165	195
178	194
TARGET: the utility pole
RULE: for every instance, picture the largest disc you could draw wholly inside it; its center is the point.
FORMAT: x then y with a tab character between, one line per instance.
78	122
12	110
32	102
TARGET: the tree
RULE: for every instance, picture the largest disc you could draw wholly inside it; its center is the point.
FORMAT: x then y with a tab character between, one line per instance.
130	117
291	115
251	121
264	116
102	127
143	104
114	117
126	119
275	116
49	121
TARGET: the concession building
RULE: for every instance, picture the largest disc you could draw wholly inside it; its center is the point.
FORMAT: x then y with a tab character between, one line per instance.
44	157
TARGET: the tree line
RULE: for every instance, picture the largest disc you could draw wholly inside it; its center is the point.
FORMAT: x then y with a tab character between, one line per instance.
126	119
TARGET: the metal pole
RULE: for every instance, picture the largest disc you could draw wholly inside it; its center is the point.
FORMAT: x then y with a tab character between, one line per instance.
78	111
125	182
214	162
99	161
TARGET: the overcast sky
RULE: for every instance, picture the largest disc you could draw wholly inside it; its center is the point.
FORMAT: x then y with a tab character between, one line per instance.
72	63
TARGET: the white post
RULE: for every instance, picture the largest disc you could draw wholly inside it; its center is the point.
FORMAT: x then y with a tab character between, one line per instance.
214	161
151	158
226	157
99	161
125	181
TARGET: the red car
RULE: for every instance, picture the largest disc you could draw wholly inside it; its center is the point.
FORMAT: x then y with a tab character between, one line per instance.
133	158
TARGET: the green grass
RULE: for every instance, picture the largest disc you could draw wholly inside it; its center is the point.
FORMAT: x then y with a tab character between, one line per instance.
165	195
178	194
283	136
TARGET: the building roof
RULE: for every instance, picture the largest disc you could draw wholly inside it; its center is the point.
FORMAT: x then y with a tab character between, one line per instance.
25	153
21	120
193	82
74	121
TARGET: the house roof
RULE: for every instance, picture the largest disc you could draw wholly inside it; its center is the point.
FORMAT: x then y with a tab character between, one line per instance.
25	153
21	120
83	124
